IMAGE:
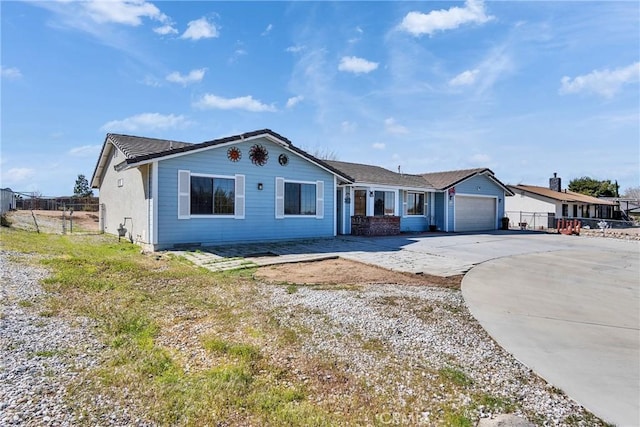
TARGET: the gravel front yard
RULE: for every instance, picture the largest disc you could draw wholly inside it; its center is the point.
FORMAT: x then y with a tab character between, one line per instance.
415	347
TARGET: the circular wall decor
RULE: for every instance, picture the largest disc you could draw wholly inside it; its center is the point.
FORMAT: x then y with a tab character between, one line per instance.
234	154
283	159
258	155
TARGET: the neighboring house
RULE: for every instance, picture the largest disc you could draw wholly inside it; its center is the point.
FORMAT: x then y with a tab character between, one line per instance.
7	200
259	187
554	203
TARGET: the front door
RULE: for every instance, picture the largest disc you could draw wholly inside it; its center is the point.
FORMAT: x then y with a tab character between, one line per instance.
360	206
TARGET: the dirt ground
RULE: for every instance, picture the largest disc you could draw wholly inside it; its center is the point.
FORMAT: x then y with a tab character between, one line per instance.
51	221
345	272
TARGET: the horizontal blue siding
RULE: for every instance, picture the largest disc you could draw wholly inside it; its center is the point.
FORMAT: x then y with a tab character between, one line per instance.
488	188
480	186
259	223
414	224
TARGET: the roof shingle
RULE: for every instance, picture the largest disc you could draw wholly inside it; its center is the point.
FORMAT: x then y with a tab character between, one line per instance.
562	196
378	175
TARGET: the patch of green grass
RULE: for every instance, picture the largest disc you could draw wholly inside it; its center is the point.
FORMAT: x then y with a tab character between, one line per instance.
455	376
244	352
47	353
292	288
501	404
25	303
455	419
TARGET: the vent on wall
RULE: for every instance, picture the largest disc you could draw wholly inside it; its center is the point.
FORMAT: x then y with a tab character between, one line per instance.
120	182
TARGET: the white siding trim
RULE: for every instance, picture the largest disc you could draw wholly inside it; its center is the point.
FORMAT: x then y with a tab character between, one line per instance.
335	208
184	194
319	199
240	199
153	229
279	198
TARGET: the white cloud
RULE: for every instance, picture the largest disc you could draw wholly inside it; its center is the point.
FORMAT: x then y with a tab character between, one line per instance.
295	49
127	12
11	73
147	121
605	83
391	126
267	30
194	76
356	65
479	159
348	127
152	81
378	145
465	78
418	23
293	101
18	175
165	30
240	103
200	29
85	151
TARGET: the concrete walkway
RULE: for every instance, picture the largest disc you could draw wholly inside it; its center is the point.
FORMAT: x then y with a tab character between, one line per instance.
573	317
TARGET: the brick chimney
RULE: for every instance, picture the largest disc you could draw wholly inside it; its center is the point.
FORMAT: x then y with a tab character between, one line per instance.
555	183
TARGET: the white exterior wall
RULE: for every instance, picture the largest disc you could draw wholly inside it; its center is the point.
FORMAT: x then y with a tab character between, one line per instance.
528	203
130	201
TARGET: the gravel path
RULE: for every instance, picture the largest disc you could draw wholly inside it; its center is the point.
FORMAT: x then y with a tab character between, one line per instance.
41	356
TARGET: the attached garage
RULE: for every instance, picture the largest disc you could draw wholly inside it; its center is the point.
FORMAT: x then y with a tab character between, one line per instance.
475	213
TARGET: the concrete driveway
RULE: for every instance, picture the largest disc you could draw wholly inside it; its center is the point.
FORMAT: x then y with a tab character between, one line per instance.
566	306
571	315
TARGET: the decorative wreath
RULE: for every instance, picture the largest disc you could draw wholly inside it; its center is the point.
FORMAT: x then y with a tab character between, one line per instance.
283	159
234	154
258	155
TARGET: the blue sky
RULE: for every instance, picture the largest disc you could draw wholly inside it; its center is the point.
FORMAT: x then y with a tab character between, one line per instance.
524	88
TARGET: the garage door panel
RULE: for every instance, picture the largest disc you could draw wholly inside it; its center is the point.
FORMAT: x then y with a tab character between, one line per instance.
475	213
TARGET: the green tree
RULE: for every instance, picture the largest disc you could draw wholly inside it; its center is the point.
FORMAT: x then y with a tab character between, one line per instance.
593	187
82	188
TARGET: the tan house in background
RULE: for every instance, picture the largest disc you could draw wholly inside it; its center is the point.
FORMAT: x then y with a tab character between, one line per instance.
539	207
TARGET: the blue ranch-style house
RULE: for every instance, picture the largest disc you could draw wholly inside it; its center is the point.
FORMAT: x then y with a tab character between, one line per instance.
258	186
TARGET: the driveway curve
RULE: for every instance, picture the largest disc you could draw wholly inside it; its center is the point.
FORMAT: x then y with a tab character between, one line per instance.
573	317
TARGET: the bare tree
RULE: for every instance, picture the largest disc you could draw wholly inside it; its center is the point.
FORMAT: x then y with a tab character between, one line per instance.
323	153
632	193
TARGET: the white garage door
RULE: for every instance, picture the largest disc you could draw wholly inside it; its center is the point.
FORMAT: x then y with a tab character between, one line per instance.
475	213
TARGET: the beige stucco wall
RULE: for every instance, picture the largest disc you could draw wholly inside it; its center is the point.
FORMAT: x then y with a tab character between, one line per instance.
127	204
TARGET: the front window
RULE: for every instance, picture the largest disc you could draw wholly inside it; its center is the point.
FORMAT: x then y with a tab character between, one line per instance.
212	196
565	210
299	199
415	204
384	203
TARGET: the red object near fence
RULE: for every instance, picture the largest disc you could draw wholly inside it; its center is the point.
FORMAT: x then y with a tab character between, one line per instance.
568	226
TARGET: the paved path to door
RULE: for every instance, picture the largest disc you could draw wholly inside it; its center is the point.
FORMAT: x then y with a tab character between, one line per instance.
566	306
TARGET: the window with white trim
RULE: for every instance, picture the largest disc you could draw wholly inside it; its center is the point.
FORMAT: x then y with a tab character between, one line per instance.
415	203
384	203
299	198
210	195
